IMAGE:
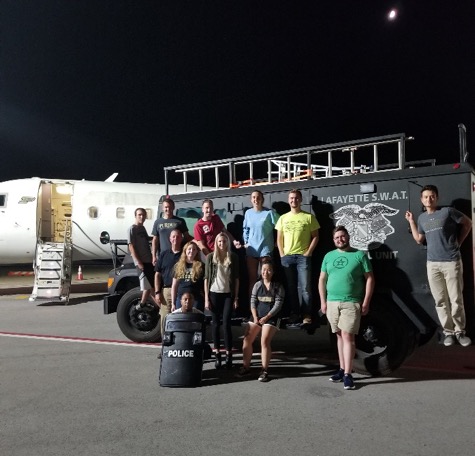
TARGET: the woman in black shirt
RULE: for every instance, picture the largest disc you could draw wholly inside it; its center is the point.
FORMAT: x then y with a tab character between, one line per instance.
189	277
267	298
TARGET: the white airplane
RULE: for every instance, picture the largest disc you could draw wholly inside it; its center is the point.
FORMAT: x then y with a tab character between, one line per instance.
38	209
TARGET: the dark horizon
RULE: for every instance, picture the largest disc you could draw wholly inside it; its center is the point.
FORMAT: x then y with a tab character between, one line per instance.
91	88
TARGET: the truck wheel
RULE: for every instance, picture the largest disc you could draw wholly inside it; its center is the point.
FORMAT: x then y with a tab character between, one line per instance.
138	325
385	340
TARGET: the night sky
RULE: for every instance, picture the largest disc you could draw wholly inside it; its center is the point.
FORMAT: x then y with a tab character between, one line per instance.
88	88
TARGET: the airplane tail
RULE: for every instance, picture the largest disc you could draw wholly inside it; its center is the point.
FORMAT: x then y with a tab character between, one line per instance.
112	177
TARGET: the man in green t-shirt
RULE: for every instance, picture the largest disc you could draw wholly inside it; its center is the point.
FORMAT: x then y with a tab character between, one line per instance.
297	237
345	285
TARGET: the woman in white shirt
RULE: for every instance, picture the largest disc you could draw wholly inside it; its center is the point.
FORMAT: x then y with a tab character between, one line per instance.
221	294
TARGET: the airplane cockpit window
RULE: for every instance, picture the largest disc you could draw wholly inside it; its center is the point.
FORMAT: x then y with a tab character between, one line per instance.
93	212
120	212
3	200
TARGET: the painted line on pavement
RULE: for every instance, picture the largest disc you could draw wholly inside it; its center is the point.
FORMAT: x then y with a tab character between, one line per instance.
83	340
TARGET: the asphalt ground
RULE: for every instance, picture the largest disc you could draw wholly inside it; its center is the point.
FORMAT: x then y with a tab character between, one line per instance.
15	279
72	384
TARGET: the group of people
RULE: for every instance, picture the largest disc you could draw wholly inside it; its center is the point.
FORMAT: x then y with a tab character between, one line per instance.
205	272
174	271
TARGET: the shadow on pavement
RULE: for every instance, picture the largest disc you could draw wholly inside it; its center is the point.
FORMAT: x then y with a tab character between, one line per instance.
72	301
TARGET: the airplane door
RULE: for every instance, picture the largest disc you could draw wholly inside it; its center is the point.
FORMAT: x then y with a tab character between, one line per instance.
45	213
54	210
61	209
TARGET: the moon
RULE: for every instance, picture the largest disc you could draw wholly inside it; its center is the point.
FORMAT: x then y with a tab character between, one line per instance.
392	15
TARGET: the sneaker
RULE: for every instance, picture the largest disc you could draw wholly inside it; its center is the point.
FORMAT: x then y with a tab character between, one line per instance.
294	325
294	322
462	339
449	339
348	383
243	371
264	377
294	318
307	320
337	376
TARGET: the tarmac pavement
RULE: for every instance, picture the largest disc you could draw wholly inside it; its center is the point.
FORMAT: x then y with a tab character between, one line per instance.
15	280
71	384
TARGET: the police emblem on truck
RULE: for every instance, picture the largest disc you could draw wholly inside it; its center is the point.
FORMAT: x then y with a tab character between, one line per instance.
367	226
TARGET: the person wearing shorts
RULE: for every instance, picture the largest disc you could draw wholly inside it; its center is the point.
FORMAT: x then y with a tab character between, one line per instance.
345	285
267	298
139	247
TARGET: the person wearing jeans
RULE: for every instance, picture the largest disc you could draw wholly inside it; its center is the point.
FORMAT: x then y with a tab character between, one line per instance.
221	294
258	235
297	270
297	237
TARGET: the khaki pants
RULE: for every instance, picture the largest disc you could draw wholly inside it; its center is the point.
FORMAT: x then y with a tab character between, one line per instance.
166	306
446	286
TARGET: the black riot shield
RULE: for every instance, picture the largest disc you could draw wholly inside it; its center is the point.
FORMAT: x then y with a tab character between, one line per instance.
182	350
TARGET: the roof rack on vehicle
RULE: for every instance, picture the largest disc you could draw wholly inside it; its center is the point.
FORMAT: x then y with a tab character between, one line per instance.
297	164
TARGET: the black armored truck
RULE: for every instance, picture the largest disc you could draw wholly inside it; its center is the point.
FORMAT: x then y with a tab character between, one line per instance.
366	185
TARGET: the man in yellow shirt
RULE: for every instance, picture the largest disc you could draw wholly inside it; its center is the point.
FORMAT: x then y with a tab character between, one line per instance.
297	237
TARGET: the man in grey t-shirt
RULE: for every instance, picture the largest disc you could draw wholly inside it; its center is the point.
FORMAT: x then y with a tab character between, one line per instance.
164	225
139	247
444	230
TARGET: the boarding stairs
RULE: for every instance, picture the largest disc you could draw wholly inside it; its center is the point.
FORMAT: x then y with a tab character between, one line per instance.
382	153
53	267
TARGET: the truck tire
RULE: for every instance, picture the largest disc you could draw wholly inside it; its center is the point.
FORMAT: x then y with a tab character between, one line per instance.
138	325
386	338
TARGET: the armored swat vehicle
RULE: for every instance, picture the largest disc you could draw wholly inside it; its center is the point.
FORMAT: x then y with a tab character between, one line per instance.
369	198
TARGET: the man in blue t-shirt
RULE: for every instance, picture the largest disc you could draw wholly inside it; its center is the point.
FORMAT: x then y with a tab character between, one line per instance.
345	285
444	230
164	271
